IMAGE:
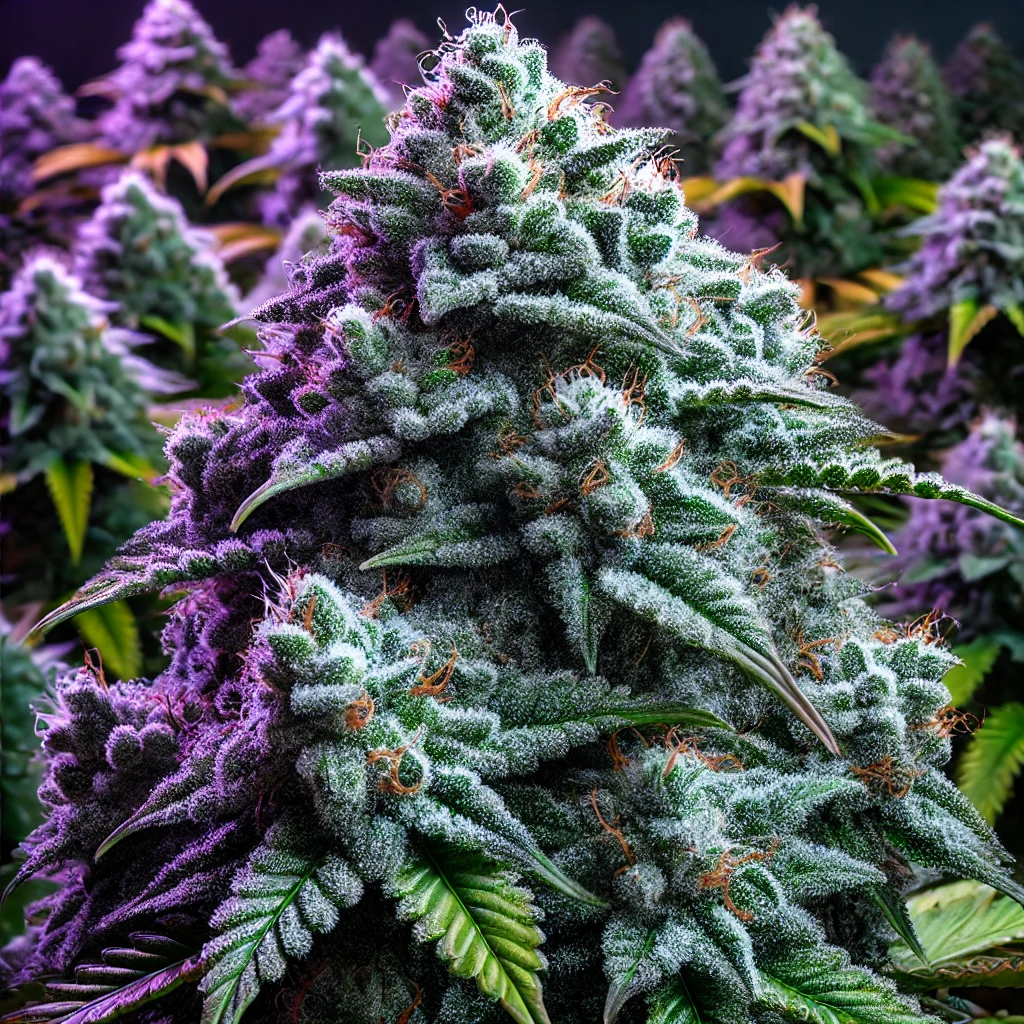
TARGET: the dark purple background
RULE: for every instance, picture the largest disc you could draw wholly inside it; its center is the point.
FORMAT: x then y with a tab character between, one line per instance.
78	37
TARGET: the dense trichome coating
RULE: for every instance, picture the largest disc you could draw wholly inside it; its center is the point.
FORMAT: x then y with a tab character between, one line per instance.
525	506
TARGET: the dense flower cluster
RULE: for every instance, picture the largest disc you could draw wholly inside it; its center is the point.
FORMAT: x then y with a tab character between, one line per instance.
506	597
988	83
677	87
35	116
279	58
170	86
972	247
139	252
802	116
909	95
332	103
957	562
590	54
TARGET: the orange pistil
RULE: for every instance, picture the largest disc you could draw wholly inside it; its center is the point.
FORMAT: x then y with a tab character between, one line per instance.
391	783
634	392
572	97
597	476
806	658
673	458
613	830
755	260
644	528
406	1015
359	712
401	594
386	481
721	875
461	355
432	685
887	775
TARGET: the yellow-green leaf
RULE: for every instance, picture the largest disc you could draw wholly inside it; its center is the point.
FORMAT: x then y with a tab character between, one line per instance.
966	319
977	659
135	467
181	334
828	137
71	490
113	631
1015	315
484	924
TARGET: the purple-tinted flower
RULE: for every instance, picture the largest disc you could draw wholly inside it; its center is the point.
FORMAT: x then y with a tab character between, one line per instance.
908	94
797	77
677	87
917	391
957	560
396	59
972	247
170	86
332	103
589	54
35	116
279	58
988	83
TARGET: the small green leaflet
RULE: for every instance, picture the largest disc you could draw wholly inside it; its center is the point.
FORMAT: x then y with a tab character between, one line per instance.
993	760
301	469
70	488
673	1005
279	903
621	987
834	994
828	138
183	335
485	926
112	629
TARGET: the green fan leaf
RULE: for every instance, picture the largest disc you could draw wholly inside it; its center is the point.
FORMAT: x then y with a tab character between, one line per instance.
622	985
965	929
112	629
834	511
486	927
823	989
978	658
993	760
183	335
70	488
280	902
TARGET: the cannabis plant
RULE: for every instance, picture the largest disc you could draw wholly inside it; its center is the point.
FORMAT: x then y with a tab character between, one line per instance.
909	95
75	399
799	153
170	86
395	62
506	598
35	116
589	54
987	80
279	58
969	268
139	251
677	87
332	103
